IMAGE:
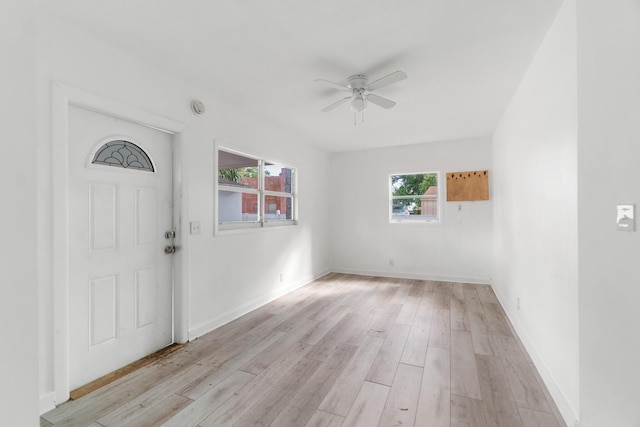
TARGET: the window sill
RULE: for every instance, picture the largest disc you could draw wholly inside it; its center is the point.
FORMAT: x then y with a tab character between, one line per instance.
241	228
432	222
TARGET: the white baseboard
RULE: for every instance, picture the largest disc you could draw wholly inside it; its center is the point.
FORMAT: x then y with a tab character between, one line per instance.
47	403
564	407
224	318
417	276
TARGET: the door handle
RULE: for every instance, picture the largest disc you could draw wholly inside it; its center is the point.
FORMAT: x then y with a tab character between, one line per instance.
169	249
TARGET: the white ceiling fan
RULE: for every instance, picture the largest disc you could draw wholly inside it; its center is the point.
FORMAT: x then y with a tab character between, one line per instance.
360	91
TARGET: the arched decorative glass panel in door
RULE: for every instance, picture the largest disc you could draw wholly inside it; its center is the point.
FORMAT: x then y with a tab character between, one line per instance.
123	154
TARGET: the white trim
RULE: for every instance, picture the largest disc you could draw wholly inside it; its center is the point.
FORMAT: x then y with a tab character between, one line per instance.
280	193
415	276
47	402
238	189
239	225
214	208
181	257
62	96
564	407
243	229
278	222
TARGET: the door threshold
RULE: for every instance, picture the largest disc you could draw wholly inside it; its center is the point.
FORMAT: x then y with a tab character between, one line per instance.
119	373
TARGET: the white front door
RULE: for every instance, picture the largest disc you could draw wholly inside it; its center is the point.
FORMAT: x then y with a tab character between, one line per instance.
120	290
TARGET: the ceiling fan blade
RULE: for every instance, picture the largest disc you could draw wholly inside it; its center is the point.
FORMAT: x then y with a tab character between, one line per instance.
394	77
336	104
336	86
380	101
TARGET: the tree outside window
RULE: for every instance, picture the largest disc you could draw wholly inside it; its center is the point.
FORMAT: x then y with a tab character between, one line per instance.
414	197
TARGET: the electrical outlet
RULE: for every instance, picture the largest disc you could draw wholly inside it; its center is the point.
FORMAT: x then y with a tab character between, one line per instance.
459	208
518	303
391	263
195	227
281	277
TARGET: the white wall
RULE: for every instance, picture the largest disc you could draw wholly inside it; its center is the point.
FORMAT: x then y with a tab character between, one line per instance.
18	251
608	173
225	275
363	241
535	203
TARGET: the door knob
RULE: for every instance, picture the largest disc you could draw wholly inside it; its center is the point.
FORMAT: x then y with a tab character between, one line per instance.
169	249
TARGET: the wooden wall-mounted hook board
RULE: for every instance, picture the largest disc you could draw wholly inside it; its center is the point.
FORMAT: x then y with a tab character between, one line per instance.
467	186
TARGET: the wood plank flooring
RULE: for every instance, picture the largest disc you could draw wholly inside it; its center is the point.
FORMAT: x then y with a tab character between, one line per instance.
345	350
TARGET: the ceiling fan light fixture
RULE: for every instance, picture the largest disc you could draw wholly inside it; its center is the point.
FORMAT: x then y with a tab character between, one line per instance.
358	103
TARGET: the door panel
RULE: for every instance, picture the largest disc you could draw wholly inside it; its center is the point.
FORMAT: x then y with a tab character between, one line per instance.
120	299
145	216
103	310
103	216
146	297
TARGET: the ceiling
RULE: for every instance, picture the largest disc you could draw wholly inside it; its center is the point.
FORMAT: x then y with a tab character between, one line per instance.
464	58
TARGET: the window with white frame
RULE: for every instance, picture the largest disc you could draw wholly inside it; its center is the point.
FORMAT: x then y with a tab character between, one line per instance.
414	197
253	192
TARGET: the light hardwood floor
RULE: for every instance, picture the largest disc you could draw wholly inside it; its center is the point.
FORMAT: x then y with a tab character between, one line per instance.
345	350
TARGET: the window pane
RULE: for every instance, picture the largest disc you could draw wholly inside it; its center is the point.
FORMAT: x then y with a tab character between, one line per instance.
414	209
277	178
237	207
414	197
237	171
123	154
248	198
413	185
278	208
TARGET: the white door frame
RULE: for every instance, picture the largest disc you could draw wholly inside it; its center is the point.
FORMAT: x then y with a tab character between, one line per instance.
62	96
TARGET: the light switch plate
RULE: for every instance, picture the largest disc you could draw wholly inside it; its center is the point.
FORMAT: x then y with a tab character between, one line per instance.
626	219
195	227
